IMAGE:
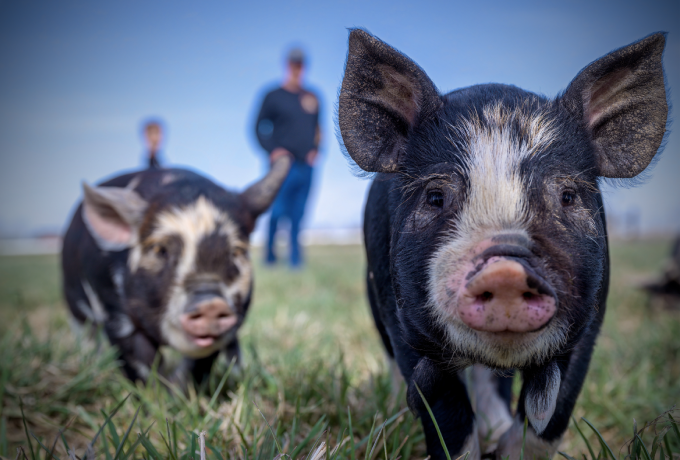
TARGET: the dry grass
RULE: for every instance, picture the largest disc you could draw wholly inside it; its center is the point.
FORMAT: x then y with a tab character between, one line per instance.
314	368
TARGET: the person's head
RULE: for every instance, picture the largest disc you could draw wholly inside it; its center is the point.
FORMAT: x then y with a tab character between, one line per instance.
295	61
153	135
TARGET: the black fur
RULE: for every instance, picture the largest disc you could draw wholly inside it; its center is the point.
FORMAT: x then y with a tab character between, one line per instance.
139	299
416	152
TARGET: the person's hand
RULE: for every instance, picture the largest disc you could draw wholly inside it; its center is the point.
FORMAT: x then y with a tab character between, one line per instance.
277	153
311	157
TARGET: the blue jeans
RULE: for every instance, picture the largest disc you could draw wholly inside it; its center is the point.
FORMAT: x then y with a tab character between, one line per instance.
290	203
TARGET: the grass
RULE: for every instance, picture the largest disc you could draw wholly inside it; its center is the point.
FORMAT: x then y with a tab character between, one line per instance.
314	383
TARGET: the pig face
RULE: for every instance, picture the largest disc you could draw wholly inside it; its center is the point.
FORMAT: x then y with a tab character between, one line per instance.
509	229
498	244
188	278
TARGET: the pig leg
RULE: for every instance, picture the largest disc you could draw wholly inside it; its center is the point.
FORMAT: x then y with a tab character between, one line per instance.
137	352
448	399
493	394
567	372
233	353
199	369
572	367
371	289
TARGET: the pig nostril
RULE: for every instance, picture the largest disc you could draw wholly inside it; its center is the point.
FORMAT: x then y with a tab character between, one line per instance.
194	315
486	296
222	315
528	295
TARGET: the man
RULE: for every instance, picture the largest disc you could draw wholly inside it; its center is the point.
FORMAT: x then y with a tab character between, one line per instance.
153	137
288	124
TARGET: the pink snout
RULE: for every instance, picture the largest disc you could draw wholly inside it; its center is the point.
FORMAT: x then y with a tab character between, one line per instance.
208	321
499	299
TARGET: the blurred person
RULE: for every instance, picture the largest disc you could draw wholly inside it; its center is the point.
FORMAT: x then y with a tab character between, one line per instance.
153	138
288	124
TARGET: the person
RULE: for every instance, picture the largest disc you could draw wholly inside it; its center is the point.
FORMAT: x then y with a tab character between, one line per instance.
288	124
153	137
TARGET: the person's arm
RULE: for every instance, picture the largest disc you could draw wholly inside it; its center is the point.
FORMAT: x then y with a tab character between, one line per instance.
314	153
264	126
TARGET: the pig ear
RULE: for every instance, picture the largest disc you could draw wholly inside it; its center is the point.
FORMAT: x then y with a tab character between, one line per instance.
384	95
622	98
260	195
112	215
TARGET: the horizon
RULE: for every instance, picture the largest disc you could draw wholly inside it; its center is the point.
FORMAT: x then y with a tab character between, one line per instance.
81	78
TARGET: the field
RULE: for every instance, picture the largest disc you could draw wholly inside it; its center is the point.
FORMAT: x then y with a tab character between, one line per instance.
314	370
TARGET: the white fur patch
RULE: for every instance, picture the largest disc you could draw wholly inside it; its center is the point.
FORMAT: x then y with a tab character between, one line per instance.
192	223
491	412
535	448
471	445
496	203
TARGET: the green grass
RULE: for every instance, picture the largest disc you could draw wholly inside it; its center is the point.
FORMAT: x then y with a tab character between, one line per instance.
314	383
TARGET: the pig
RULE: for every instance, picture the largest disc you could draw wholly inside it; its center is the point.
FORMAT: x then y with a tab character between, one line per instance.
161	258
485	233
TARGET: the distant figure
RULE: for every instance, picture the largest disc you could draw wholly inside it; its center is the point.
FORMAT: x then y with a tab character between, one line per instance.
665	292
153	137
288	124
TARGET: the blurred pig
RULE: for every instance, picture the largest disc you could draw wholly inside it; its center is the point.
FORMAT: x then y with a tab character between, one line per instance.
485	232
160	257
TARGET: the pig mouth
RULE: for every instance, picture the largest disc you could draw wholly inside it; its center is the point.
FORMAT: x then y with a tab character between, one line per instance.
497	303
205	335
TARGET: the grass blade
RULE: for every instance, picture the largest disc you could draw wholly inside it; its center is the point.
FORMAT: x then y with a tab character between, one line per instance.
215	452
644	450
605	446
590	449
320	424
106	422
28	438
218	390
667	444
674	424
441	438
127	433
370	436
568	457
42	445
276	441
351	435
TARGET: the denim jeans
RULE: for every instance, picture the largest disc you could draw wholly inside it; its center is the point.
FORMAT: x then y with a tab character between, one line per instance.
290	203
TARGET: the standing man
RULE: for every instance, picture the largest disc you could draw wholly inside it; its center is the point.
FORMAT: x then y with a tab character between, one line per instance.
288	124
153	137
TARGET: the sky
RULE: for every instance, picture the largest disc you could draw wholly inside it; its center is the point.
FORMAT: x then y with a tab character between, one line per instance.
78	77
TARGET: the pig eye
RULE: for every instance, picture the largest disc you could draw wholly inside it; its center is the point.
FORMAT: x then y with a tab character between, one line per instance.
160	250
568	198
435	198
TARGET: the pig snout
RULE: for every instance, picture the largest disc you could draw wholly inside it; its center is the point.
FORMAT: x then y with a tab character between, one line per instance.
503	293
207	320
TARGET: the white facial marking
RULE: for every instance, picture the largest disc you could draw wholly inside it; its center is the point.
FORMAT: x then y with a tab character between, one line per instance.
192	223
496	203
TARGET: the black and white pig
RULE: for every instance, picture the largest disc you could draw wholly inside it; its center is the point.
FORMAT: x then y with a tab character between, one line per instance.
485	232
160	257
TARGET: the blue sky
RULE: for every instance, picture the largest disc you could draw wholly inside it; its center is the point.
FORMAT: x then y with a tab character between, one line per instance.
77	78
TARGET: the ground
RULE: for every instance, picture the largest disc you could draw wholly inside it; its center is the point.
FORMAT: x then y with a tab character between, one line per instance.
314	370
